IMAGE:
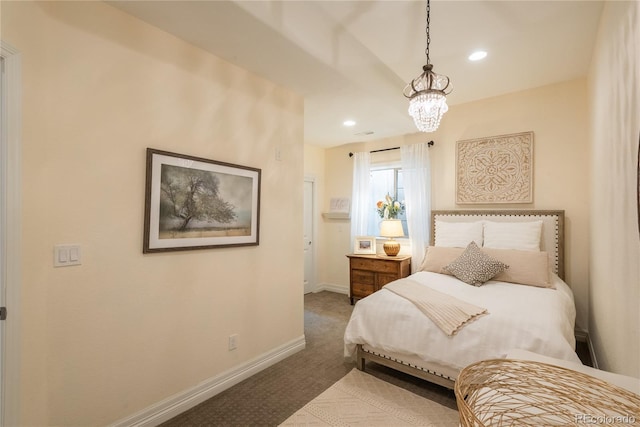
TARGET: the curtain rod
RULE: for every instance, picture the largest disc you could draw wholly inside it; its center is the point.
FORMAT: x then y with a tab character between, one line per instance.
429	144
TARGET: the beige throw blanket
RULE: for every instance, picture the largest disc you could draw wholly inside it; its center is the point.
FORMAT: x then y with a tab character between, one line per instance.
446	311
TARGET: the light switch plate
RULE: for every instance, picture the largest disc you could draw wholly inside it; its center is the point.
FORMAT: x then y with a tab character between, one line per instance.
66	255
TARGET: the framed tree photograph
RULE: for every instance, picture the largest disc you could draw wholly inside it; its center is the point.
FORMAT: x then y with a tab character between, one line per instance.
195	203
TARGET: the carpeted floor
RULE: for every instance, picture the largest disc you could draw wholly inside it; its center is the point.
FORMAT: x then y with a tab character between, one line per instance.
271	396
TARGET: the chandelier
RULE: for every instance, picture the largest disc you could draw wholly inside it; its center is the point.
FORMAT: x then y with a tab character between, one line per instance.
427	93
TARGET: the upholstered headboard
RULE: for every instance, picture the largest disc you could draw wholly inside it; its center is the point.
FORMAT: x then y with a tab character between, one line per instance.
552	240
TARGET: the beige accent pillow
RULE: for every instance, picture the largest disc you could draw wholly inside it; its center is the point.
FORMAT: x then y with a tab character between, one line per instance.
525	267
475	266
439	256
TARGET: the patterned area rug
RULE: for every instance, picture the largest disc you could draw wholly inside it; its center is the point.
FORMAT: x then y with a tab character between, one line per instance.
360	399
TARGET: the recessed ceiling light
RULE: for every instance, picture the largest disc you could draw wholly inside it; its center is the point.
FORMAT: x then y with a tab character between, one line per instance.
349	123
477	55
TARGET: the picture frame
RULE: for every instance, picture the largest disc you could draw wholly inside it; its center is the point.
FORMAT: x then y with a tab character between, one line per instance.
365	245
196	203
340	205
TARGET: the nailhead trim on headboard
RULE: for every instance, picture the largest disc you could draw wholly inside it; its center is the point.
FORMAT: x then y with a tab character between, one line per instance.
557	255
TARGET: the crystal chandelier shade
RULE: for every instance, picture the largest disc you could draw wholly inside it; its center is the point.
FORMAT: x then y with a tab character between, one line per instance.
427	110
427	93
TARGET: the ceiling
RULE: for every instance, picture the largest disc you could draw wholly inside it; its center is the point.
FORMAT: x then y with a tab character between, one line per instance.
352	59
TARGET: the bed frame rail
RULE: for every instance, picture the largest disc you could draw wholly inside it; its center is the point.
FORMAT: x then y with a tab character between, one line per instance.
363	355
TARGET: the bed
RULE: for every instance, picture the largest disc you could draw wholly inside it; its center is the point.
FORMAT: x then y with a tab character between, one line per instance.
528	305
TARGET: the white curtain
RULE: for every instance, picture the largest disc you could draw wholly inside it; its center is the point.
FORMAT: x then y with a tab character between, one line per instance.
416	171
360	196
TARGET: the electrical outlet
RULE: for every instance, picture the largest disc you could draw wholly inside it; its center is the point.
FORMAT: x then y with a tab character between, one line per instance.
233	342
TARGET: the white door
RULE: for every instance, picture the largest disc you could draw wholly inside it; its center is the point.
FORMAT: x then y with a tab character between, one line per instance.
3	188
10	226
308	238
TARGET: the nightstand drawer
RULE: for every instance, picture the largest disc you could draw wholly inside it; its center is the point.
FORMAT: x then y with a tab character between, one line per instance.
375	265
361	290
363	277
383	279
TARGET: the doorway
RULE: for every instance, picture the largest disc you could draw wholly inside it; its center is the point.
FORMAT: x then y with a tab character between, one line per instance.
3	245
308	238
10	232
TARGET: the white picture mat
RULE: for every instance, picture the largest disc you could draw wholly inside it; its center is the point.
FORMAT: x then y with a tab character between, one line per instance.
155	242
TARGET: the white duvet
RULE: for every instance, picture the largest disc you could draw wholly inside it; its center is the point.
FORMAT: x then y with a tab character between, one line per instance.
540	320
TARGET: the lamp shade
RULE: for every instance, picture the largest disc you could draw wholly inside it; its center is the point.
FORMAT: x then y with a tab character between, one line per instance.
391	228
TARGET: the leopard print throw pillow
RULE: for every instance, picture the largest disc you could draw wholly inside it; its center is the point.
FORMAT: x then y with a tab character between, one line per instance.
474	266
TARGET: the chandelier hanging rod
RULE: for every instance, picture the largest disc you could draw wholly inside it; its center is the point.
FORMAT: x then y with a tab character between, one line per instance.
427	92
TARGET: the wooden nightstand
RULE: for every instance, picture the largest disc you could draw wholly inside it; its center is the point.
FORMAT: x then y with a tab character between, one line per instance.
369	273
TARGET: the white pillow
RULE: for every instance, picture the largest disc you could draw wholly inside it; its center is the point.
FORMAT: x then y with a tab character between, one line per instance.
523	236
458	234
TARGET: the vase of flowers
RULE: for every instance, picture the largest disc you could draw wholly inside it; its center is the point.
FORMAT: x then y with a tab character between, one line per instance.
389	208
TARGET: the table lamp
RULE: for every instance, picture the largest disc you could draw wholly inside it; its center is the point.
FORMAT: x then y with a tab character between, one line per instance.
391	228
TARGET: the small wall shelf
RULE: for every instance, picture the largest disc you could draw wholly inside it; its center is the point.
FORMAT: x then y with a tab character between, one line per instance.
336	215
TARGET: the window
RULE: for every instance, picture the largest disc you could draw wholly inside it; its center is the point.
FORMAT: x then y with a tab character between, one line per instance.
386	180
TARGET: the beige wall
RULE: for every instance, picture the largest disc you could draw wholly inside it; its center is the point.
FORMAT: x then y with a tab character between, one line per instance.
125	330
556	114
614	85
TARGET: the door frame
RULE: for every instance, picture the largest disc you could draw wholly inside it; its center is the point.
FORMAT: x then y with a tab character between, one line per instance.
11	243
314	231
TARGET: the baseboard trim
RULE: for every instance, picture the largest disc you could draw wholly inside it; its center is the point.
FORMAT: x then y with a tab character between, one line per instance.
178	403
332	288
581	335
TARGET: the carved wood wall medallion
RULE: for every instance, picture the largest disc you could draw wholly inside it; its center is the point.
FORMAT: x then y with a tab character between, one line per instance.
496	169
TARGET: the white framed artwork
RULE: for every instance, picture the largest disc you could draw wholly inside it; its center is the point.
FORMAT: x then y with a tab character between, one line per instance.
365	245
